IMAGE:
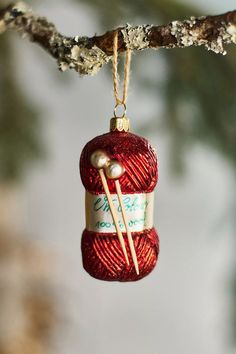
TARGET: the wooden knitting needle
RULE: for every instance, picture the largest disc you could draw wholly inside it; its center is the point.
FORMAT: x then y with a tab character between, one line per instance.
130	239
114	170
114	215
99	160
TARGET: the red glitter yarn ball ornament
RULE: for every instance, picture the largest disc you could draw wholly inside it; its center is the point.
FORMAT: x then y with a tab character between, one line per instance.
101	250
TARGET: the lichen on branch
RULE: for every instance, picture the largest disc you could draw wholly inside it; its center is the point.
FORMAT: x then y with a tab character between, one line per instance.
86	55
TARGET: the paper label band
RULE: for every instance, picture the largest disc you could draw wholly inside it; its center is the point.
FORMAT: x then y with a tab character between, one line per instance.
138	207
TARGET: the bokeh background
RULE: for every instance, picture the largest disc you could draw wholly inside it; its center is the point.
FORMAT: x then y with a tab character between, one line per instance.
183	101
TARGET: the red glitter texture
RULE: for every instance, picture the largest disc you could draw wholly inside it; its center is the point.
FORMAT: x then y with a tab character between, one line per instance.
101	252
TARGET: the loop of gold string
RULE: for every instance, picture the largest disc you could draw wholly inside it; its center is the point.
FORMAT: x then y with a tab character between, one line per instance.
115	72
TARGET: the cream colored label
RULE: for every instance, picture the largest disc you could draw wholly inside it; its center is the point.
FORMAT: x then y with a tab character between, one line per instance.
138	207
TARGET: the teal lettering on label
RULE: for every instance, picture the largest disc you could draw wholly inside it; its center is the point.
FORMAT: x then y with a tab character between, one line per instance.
137	206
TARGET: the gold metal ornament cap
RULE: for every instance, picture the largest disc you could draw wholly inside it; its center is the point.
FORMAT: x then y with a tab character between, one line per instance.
119	123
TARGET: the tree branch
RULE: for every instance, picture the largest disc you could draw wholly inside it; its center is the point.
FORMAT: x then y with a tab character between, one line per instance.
87	55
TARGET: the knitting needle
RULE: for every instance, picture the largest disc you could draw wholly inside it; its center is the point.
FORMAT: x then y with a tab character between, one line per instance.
130	239
114	170
113	213
99	160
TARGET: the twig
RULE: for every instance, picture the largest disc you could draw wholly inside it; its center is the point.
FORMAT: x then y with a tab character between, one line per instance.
87	55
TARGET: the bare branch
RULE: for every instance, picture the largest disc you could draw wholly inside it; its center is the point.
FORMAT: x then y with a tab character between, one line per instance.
87	55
